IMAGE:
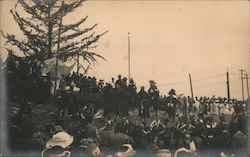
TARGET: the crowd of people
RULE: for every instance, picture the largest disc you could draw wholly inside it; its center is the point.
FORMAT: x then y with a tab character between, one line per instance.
93	118
24	80
164	123
116	97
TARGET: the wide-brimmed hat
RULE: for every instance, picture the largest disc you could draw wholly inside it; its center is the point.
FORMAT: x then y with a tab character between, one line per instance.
56	151
76	89
62	139
67	88
152	82
163	153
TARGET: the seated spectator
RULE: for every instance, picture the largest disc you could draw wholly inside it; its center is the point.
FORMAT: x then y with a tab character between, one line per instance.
163	153
185	152
57	145
93	150
126	151
56	151
239	140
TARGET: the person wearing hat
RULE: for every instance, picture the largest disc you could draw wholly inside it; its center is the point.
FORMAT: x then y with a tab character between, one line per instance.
93	150
119	81
211	128
171	109
61	99
56	146
153	94
239	140
109	104
223	125
122	99
143	107
164	134
56	151
124	82
163	153
181	129
171	92
188	151
132	93
126	151
223	132
89	133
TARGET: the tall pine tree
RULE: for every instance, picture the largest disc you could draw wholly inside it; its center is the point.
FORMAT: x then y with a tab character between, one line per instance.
39	21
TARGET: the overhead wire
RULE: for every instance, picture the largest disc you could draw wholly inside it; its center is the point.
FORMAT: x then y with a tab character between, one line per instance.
214	84
209	77
173	83
198	80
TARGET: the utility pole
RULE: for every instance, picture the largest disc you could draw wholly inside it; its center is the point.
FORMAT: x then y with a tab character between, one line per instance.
242	84
246	77
228	88
58	49
128	56
191	87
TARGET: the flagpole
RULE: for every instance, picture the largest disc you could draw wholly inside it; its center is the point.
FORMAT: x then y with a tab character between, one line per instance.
129	56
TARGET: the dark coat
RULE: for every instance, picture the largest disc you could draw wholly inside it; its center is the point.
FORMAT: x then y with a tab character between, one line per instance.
143	107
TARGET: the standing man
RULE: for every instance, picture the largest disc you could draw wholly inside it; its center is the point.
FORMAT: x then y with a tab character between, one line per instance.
143	106
119	81
132	93
122	100
153	93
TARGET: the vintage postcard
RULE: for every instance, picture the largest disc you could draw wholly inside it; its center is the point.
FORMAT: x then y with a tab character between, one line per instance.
124	78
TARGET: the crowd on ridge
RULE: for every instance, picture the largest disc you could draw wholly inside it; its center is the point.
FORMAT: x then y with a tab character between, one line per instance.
94	117
187	125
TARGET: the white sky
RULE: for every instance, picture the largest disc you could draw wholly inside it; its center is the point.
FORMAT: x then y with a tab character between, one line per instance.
169	39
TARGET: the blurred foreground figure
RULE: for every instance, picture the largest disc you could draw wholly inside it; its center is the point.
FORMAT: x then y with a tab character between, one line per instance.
57	145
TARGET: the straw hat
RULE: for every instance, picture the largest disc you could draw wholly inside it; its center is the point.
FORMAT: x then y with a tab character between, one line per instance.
67	88
163	153
56	151
76	89
62	139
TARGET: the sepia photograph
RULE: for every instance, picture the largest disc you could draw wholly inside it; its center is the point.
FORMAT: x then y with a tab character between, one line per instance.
124	78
